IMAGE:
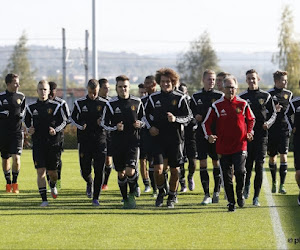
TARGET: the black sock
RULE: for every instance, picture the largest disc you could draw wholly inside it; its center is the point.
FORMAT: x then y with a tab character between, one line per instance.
43	193
273	169
166	182
107	170
204	180
171	195
52	184
283	171
217	178
161	189
191	167
48	177
123	186
7	177
15	176
146	182
151	176
59	170
132	181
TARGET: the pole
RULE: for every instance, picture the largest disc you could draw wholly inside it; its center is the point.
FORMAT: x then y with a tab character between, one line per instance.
86	65
64	65
95	58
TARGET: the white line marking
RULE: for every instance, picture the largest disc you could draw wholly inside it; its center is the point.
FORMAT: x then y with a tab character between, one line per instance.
277	228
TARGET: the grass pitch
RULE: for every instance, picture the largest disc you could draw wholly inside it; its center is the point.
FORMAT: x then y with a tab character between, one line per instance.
71	222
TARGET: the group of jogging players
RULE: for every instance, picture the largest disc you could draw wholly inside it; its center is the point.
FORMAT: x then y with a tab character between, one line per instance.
161	130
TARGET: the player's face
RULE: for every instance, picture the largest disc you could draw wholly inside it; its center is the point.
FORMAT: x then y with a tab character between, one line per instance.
142	92
103	91
282	82
122	89
43	91
230	89
166	84
52	94
209	81
252	80
93	93
14	85
219	82
149	85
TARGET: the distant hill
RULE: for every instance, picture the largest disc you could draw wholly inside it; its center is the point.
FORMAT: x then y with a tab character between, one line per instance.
48	63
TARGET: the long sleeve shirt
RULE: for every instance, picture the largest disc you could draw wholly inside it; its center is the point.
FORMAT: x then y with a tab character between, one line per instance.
12	110
42	115
234	119
293	111
89	112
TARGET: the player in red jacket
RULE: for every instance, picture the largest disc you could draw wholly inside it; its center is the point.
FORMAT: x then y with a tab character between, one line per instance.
234	122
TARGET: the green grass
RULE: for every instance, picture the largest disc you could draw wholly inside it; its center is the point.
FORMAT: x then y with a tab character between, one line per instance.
72	222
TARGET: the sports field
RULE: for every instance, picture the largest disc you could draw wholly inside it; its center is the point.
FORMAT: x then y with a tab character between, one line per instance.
71	221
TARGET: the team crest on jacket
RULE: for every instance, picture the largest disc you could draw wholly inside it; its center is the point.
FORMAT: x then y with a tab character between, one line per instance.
19	101
133	108
50	111
174	102
286	96
261	101
238	110
99	108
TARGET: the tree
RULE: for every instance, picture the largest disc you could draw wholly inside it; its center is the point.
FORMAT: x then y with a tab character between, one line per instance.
288	57
193	63
19	64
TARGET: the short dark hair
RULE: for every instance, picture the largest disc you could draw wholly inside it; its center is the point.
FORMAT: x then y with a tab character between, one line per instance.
150	77
52	85
172	74
122	78
278	74
141	86
181	86
92	84
9	78
251	71
102	81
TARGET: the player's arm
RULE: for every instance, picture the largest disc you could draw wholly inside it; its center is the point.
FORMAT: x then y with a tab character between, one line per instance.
60	119
270	106
107	119
140	123
288	115
75	117
185	114
210	118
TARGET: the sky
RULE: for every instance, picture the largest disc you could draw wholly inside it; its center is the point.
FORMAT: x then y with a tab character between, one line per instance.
147	26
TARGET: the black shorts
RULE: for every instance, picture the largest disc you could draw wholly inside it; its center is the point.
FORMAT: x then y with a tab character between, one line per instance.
46	156
190	145
108	145
146	146
166	148
11	144
205	148
278	142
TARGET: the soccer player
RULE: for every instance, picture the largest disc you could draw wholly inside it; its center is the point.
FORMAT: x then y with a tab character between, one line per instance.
123	118
294	127
234	123
219	80
261	104
278	140
166	113
201	102
65	108
103	92
146	143
142	90
91	137
45	120
12	109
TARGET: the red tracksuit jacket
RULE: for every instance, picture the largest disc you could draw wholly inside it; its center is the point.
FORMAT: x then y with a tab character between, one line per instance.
234	119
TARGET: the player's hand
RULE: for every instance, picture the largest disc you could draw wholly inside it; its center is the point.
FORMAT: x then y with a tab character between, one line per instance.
84	126
52	131
171	117
137	124
31	130
198	118
154	131
265	126
120	126
99	121
278	107
249	137
294	130
212	138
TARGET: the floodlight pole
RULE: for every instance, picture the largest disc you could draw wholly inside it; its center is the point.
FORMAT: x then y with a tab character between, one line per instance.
94	58
64	64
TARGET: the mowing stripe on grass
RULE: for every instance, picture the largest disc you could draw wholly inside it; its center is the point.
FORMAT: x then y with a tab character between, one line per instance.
277	228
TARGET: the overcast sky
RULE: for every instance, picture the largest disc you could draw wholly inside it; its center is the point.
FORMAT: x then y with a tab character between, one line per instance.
147	26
